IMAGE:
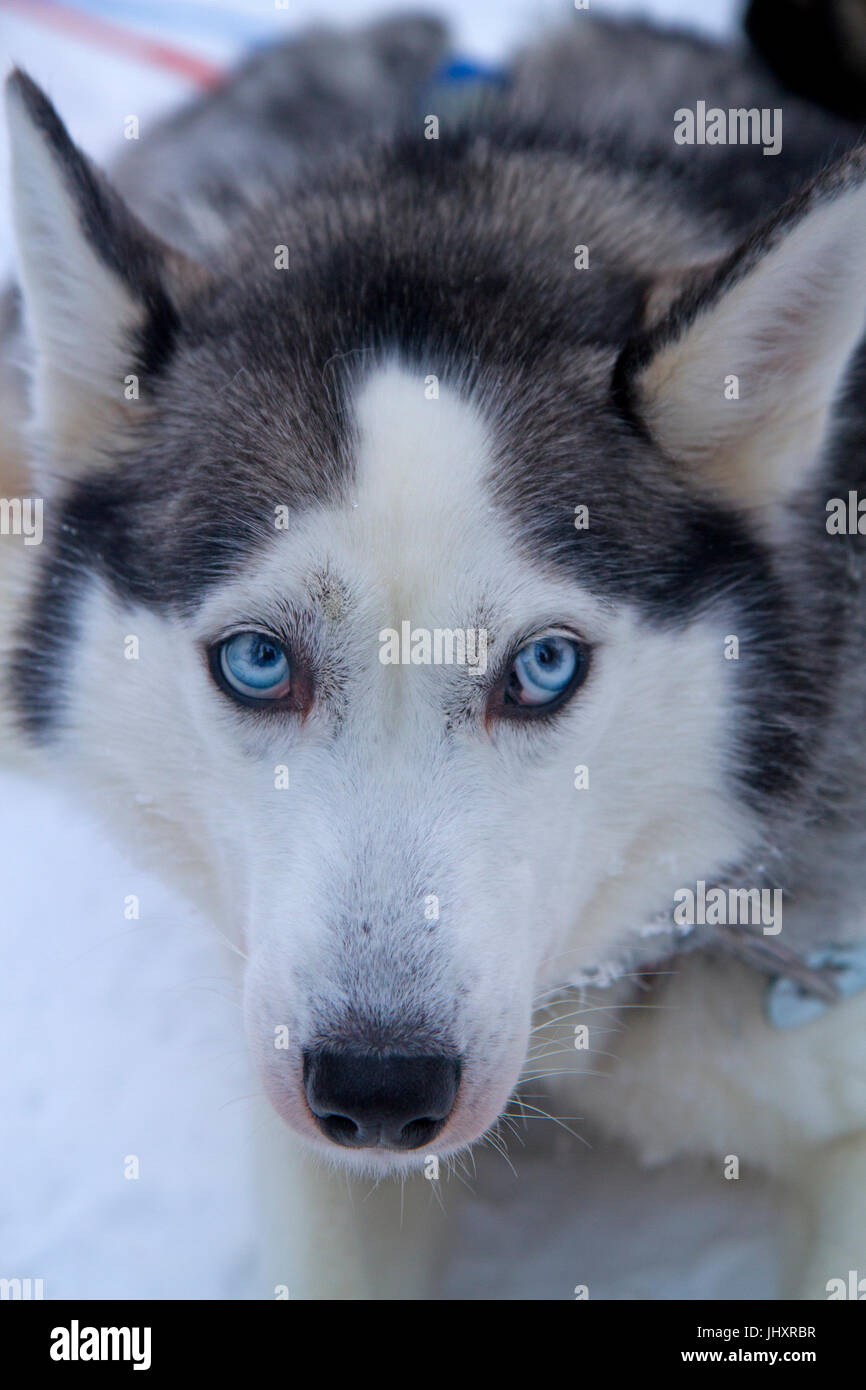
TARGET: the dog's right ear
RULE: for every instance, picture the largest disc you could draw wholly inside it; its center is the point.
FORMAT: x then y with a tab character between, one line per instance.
739	380
100	291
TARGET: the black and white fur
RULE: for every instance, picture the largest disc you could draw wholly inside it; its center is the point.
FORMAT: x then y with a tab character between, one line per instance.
259	389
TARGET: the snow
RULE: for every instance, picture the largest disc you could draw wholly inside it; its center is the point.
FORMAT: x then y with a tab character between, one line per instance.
121	1038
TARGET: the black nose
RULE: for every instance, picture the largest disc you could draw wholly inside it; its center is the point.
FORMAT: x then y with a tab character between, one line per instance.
363	1099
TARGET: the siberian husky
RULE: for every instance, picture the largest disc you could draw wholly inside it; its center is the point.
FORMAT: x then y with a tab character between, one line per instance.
352	376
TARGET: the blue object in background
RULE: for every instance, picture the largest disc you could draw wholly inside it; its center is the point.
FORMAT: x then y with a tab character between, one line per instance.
465	70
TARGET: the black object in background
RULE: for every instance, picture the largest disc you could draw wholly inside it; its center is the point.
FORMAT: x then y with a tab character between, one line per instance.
816	47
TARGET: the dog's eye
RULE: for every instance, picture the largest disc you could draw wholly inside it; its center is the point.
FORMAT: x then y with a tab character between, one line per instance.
253	666
543	674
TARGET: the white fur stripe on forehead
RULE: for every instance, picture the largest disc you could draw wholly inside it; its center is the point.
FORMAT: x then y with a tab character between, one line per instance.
416	530
422	449
415	536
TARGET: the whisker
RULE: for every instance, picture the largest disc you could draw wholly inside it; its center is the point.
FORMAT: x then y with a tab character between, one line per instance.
557	1119
495	1142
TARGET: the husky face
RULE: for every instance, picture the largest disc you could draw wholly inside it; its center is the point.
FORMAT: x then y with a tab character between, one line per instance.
432	865
405	863
409	853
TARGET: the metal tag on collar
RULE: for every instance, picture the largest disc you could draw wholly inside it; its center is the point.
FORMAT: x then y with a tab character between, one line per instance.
789	1003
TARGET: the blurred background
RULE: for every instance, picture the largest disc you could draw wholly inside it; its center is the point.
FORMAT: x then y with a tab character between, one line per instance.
102	59
122	1037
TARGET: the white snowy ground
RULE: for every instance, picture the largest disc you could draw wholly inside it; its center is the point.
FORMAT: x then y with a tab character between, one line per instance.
123	1038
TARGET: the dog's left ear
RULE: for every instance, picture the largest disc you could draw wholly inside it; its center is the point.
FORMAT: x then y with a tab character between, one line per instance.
101	292
737	381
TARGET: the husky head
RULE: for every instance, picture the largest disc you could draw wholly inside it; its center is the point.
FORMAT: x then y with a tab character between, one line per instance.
391	572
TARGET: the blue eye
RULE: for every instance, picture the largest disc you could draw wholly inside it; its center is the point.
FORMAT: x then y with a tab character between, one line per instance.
253	666
544	671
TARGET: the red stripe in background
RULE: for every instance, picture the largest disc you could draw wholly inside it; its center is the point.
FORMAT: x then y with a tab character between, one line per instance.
100	31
